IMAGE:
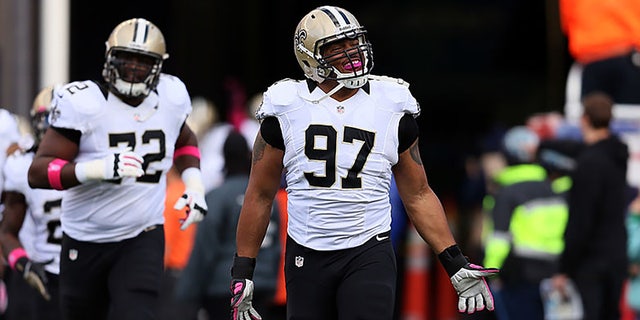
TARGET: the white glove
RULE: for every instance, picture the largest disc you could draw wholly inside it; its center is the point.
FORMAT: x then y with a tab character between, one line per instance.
472	288
242	294
113	166
192	198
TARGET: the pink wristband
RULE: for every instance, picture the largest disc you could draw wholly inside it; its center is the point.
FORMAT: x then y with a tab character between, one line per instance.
16	254
54	172
187	151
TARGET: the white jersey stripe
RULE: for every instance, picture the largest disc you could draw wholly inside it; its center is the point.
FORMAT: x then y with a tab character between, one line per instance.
141	32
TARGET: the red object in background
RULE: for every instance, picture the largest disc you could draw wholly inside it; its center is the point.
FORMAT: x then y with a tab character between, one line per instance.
626	313
237	102
445	300
545	125
415	302
280	298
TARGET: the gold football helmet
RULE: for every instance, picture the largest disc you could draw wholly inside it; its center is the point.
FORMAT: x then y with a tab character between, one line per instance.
141	38
40	113
324	25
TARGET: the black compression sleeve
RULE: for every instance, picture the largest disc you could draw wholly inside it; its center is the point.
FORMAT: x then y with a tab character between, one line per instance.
407	132
72	135
271	132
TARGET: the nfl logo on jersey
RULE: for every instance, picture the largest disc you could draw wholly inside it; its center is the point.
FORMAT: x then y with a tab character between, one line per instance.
73	254
340	109
299	261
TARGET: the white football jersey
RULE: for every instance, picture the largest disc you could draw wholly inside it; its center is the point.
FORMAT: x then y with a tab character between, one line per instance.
9	134
103	211
338	159
40	234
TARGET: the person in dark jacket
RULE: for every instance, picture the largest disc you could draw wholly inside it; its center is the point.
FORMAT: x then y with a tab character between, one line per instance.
595	255
205	279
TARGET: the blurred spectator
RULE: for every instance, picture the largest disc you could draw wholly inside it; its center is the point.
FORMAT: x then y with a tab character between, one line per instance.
242	114
203	116
215	132
603	38
633	249
250	126
211	161
595	255
205	280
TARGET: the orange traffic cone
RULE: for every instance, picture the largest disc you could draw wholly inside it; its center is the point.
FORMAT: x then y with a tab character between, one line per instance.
280	298
416	279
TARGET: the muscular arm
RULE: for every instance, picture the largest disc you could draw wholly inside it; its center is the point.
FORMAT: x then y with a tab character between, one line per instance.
13	216
54	145
422	204
264	181
186	138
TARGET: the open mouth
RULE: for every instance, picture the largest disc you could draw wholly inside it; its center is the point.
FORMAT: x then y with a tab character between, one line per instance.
353	65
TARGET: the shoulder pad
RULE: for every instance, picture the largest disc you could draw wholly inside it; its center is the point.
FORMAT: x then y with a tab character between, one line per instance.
278	97
389	79
78	95
394	94
281	91
172	89
14	148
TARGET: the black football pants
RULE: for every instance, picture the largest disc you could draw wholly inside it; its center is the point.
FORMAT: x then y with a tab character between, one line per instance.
115	280
349	284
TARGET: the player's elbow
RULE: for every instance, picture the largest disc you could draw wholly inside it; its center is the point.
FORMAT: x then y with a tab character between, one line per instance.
34	177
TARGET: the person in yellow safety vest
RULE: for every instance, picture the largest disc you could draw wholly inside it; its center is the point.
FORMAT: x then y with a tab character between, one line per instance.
519	145
518	148
529	220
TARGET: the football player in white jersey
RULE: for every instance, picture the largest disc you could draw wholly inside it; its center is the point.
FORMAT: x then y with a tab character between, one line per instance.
9	137
39	262
109	146
338	137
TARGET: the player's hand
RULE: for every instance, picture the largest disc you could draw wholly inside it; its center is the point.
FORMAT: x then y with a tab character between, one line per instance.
34	274
114	166
196	207
472	288
241	296
125	164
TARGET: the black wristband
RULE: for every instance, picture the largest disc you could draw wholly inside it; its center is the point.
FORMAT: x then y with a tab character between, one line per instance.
243	267
452	259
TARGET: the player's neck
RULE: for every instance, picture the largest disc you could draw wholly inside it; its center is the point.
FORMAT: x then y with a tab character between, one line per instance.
343	94
132	101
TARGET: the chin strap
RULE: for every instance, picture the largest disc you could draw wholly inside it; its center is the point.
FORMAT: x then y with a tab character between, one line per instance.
328	94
